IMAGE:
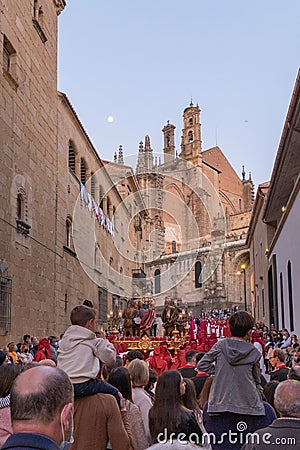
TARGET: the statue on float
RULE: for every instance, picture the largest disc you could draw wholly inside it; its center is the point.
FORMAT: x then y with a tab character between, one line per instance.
147	321
169	317
129	315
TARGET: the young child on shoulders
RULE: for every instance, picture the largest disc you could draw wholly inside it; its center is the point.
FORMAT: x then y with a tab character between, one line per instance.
80	353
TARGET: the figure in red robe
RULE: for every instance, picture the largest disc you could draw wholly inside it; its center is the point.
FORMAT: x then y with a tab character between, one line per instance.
147	322
156	361
166	354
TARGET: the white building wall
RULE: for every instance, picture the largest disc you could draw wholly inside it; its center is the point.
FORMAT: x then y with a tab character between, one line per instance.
287	248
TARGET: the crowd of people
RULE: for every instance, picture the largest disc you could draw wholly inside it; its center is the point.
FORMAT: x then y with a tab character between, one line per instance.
76	390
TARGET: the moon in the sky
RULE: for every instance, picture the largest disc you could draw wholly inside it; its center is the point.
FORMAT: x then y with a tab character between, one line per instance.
110	119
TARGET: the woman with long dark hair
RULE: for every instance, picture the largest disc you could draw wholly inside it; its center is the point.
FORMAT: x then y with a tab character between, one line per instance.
120	378
190	400
168	414
204	395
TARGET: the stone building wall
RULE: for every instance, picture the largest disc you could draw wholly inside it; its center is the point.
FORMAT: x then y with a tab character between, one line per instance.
28	163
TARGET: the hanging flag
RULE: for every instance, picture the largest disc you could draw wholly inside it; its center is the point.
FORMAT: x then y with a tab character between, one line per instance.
97	212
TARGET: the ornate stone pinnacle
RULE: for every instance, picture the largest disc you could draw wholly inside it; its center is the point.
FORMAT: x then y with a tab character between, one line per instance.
60	5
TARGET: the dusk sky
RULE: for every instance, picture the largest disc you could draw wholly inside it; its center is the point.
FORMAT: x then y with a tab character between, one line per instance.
140	62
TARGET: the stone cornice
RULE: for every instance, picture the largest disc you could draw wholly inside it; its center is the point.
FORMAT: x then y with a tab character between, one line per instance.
60	5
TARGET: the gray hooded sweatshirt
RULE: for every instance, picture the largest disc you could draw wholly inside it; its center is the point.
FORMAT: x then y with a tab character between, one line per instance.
236	387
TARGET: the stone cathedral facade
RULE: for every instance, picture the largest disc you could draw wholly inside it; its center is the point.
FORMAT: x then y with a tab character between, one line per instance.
201	203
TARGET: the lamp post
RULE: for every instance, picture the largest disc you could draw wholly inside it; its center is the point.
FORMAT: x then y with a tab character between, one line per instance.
110	317
119	321
243	271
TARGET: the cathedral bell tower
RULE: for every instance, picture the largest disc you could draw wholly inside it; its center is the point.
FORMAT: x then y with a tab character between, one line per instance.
169	142
191	145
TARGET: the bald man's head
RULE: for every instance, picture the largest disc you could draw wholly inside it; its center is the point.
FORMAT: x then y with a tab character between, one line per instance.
287	398
39	394
47	362
294	373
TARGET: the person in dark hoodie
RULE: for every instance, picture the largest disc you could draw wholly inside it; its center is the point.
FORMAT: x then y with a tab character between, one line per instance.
235	365
236	394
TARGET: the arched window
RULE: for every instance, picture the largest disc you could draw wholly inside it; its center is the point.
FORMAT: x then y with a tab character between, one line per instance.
20	207
282	301
22	212
114	216
109	208
191	122
71	158
101	197
21	204
68	232
82	171
35	9
191	138
174	247
93	185
198	269
290	293
41	16
157	281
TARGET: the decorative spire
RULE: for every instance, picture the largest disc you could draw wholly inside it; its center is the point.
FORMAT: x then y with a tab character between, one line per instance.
120	159
243	173
250	176
191	104
147	144
60	5
115	158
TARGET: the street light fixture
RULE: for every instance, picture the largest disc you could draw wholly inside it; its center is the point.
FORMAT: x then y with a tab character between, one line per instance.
119	321
110	319
243	271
